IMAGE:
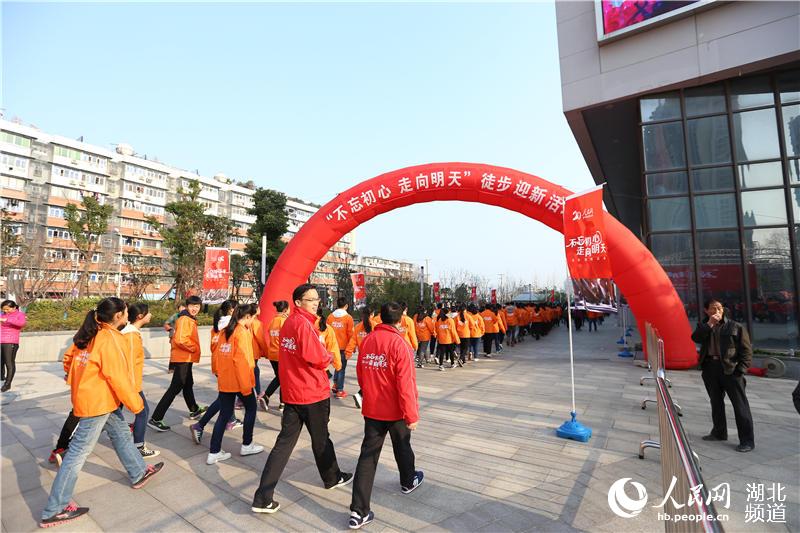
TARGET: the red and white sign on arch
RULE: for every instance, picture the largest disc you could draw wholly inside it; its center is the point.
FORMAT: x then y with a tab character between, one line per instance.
638	275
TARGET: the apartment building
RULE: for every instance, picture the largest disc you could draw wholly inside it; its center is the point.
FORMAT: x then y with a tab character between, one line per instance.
40	174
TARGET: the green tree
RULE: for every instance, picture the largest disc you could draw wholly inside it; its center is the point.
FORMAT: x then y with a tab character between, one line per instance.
269	208
10	242
398	290
143	271
344	285
85	227
241	271
462	293
187	237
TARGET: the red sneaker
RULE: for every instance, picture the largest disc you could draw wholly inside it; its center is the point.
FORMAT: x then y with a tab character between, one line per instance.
56	454
341	394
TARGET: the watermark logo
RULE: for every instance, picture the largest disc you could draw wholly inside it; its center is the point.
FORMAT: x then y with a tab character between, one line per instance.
621	504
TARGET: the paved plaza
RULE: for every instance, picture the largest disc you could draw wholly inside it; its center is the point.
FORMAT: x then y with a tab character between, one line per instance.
486	442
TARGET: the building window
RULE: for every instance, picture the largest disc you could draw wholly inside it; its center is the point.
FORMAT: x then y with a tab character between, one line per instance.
663	146
55	212
13	138
12	205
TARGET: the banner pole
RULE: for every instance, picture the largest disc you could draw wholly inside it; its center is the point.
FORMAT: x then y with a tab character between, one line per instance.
571	360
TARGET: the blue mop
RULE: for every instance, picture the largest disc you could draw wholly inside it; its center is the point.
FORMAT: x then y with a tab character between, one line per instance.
572	429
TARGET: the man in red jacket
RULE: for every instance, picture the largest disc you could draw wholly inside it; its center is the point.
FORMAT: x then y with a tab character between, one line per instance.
389	386
304	385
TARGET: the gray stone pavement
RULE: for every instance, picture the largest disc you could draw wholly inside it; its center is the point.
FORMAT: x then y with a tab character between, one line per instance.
486	442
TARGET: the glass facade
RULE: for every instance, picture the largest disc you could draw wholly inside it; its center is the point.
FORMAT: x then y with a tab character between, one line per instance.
721	175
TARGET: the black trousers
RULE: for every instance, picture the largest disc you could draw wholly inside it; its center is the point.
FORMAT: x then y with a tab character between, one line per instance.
718	385
182	380
315	417
464	350
488	339
275	383
374	435
69	427
8	352
446	350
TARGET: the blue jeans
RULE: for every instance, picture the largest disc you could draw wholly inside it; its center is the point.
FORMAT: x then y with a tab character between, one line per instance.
498	340
140	422
338	376
473	346
257	372
212	410
82	444
226	401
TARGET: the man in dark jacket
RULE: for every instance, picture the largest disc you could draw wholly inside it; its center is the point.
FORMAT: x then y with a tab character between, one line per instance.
725	355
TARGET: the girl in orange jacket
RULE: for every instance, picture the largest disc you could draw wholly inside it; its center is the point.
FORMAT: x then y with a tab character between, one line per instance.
260	348
232	362
138	316
222	317
425	330
361	331
327	336
446	337
100	381
464	331
476	330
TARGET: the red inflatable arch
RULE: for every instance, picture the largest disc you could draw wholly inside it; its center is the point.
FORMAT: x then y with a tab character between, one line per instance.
637	273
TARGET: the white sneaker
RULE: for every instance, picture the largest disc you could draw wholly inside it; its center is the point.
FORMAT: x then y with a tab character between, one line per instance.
217	457
250	449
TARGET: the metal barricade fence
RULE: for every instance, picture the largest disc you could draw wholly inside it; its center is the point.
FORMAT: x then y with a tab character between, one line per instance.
678	461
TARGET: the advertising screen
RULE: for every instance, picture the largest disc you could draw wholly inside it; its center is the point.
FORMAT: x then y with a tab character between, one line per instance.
622	14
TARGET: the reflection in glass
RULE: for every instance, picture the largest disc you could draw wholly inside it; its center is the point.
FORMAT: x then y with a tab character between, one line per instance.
789	86
755	135
794	171
794	199
663	146
708	140
761	175
669	214
751	92
704	100
763	208
660	107
712	179
791	129
768	260
666	183
715	211
674	253
721	271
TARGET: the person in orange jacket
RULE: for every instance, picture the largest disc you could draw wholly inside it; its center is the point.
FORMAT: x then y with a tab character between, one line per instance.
260	348
361	331
391	405
511	319
282	308
100	381
407	328
328	339
233	362
222	317
446	337
491	327
184	353
498	339
307	395
138	316
425	330
537	319
476	330
342	324
462	322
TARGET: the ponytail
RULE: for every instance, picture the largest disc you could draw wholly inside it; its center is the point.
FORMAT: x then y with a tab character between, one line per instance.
223	310
281	305
365	319
323	324
461	309
442	314
102	314
239	313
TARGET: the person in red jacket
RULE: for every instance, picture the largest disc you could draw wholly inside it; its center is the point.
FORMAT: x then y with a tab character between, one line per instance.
306	395
389	384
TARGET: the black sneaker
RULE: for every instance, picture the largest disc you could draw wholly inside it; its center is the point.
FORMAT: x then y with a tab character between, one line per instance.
69	513
271	507
357	399
712	437
344	479
194	415
158	425
149	472
357	521
416	482
197	433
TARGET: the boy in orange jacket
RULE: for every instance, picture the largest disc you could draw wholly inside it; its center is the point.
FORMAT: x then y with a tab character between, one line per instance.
185	352
342	324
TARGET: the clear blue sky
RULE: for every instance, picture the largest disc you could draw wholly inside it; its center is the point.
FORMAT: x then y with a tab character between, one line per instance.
310	99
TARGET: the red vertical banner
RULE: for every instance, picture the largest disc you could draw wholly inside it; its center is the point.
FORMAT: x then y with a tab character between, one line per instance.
552	296
216	275
437	297
494	296
587	251
359	288
474	295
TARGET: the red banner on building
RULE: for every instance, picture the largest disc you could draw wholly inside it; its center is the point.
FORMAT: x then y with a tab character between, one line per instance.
474	295
494	296
552	296
359	288
216	276
587	251
437	297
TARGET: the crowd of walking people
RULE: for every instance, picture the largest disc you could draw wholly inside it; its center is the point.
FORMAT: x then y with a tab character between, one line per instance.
308	349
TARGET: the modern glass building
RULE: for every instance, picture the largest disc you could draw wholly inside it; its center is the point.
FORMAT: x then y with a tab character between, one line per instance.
692	119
